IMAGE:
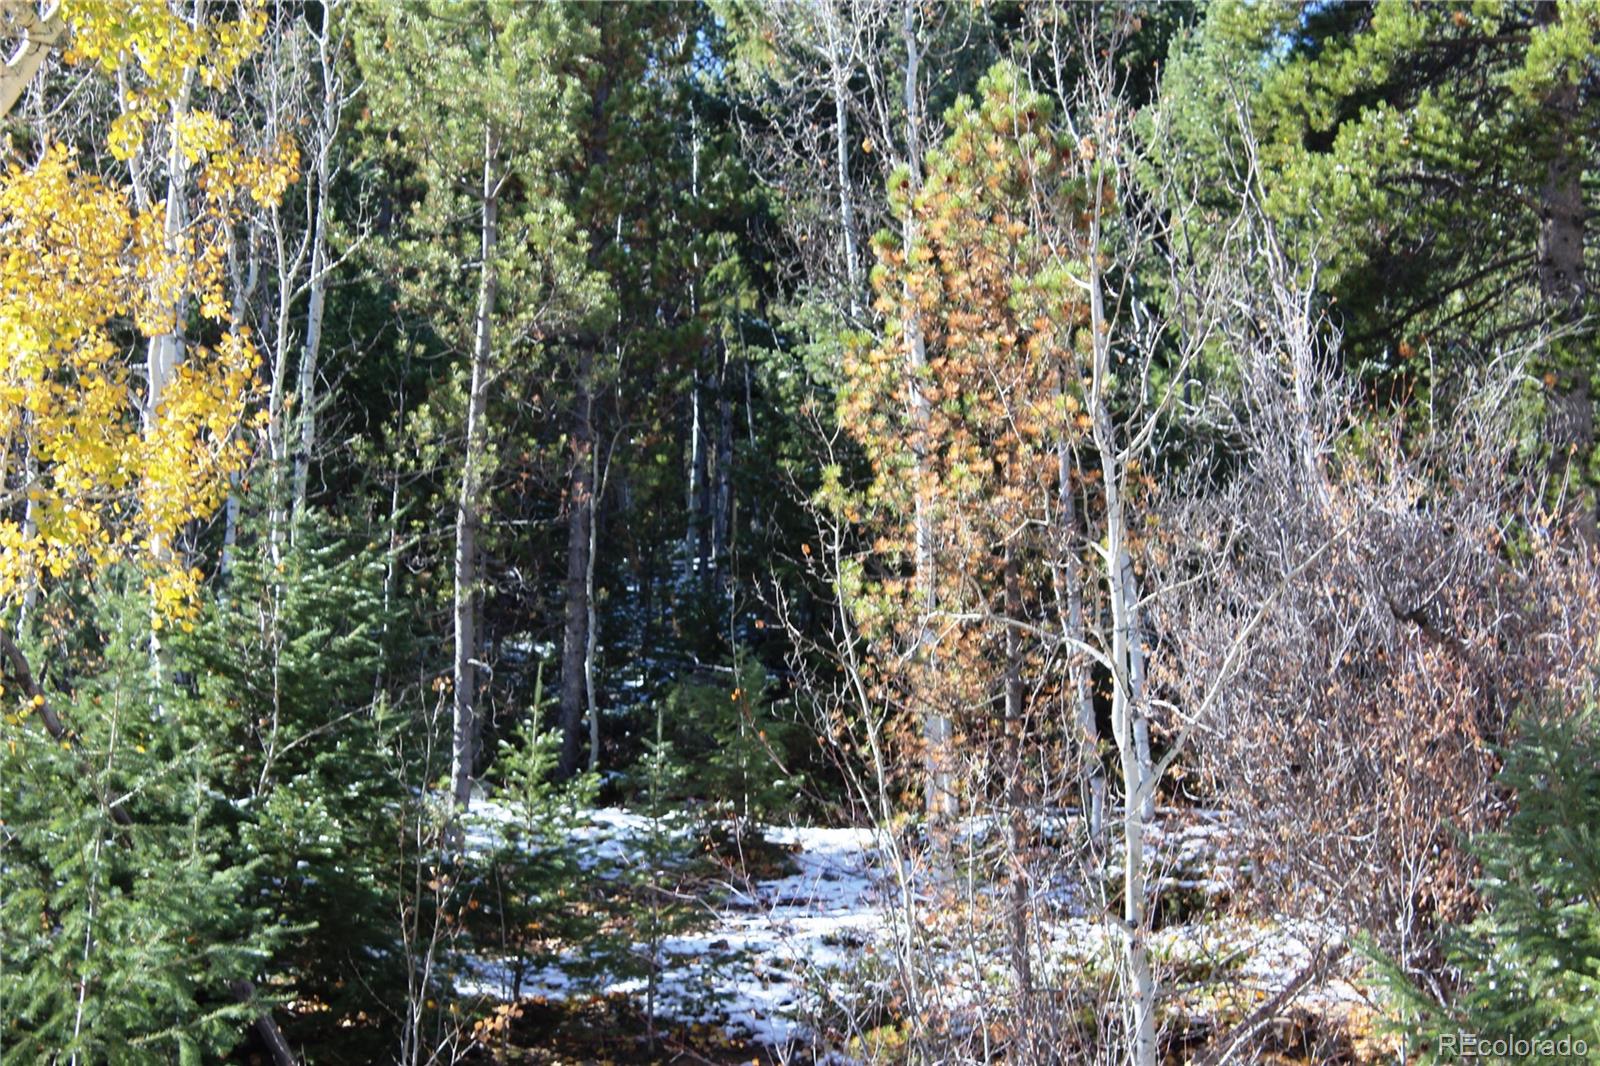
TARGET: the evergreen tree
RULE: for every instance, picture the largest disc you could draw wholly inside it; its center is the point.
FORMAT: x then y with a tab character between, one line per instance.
1529	966
1431	160
286	663
124	941
477	110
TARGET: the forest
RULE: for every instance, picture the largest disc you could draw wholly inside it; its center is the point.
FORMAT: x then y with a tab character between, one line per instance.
799	532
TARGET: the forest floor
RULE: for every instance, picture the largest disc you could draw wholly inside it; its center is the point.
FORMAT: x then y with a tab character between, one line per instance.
788	956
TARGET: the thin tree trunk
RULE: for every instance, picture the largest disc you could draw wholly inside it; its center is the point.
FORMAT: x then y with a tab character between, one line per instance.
1564	288
305	393
1136	676
722	495
591	635
939	799
317	281
1016	802
30	528
1069	588
266	1027
839	78
692	522
243	279
580	516
464	745
1127	703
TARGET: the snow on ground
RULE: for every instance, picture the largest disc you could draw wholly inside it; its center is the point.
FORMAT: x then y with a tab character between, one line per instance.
753	967
759	963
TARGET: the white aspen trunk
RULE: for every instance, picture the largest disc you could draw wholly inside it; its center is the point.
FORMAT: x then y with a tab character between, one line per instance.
940	798
1136	677
1127	704
164	352
839	77
722	493
39	34
691	527
464	741
230	527
697	460
1069	587
243	280
276	448
317	284
30	528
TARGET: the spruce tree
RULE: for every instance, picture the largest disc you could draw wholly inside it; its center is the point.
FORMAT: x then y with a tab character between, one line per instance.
1529	966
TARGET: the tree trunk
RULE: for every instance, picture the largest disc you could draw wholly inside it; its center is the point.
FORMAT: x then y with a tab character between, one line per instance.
317	282
464	743
39	34
580	516
1564	288
839	78
722	495
1127	666
592	628
1016	803
939	799
243	277
1069	589
164	352
693	521
1136	677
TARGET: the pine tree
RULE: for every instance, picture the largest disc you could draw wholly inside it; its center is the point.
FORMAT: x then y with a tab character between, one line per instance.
531	901
1429	159
285	663
124	942
477	108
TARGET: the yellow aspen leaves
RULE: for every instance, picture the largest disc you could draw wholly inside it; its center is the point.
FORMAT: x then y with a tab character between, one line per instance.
87	276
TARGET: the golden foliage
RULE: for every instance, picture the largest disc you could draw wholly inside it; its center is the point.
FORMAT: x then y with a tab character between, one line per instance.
87	277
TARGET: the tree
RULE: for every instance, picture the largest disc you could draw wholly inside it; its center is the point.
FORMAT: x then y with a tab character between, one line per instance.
1399	138
37	32
1527	963
102	479
638	193
489	147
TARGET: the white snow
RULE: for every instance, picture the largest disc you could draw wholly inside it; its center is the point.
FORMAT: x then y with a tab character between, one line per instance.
773	952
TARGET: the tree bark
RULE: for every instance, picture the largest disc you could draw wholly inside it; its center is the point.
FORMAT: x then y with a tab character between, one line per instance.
1069	591
317	281
464	743
1127	667
580	518
1564	288
939	799
722	493
838	81
265	1026
592	624
1016	802
38	35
